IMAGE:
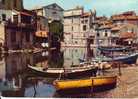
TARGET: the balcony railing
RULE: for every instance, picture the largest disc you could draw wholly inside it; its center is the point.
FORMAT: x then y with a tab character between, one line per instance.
20	25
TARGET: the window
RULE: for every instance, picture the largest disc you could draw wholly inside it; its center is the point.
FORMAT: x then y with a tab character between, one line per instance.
86	21
41	27
106	34
54	6
3	17
98	34
84	27
132	30
72	28
72	20
15	18
27	36
3	1
76	42
54	12
13	36
82	21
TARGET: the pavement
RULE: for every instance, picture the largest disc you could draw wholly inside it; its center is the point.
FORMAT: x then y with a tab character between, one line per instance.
127	85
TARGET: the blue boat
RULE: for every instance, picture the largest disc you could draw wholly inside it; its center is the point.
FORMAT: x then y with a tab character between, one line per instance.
111	49
126	59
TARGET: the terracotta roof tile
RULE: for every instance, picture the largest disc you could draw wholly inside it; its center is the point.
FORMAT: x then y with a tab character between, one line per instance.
126	35
86	14
121	17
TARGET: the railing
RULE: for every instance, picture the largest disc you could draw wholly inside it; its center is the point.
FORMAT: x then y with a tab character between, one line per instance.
22	25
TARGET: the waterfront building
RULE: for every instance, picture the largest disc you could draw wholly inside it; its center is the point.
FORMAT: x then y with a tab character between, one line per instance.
2	36
126	17
41	35
6	12
52	15
77	25
119	29
102	26
51	12
19	25
11	4
104	35
71	23
127	34
20	31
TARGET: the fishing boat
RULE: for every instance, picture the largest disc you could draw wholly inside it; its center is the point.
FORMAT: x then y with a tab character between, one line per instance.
92	83
111	48
71	72
126	59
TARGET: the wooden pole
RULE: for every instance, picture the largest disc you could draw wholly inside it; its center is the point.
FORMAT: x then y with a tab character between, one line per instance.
92	87
120	69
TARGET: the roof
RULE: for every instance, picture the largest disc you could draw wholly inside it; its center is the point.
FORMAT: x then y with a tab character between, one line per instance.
25	13
121	17
54	5
40	8
86	14
109	26
116	28
126	35
77	8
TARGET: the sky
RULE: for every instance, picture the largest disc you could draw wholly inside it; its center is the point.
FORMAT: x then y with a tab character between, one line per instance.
102	7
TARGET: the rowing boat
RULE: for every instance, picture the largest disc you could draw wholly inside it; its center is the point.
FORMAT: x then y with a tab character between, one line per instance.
92	82
71	72
112	49
126	59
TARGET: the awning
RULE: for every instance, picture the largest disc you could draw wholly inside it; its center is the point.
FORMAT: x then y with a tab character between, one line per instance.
24	13
41	34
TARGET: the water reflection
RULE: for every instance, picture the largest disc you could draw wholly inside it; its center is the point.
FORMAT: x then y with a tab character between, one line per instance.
13	71
39	87
71	55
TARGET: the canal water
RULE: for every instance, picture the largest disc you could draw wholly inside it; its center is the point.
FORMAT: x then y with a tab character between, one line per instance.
15	80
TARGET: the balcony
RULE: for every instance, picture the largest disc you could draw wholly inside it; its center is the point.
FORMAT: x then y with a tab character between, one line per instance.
20	25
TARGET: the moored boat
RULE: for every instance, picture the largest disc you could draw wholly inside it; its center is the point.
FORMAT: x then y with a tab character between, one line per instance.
113	48
89	83
69	72
126	59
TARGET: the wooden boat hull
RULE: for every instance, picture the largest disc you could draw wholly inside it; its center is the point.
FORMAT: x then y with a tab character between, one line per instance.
84	91
90	83
129	59
77	74
111	49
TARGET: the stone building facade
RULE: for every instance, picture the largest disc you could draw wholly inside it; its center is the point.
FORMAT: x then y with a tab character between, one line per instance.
126	17
2	36
11	4
19	33
77	26
51	12
72	29
19	25
47	15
